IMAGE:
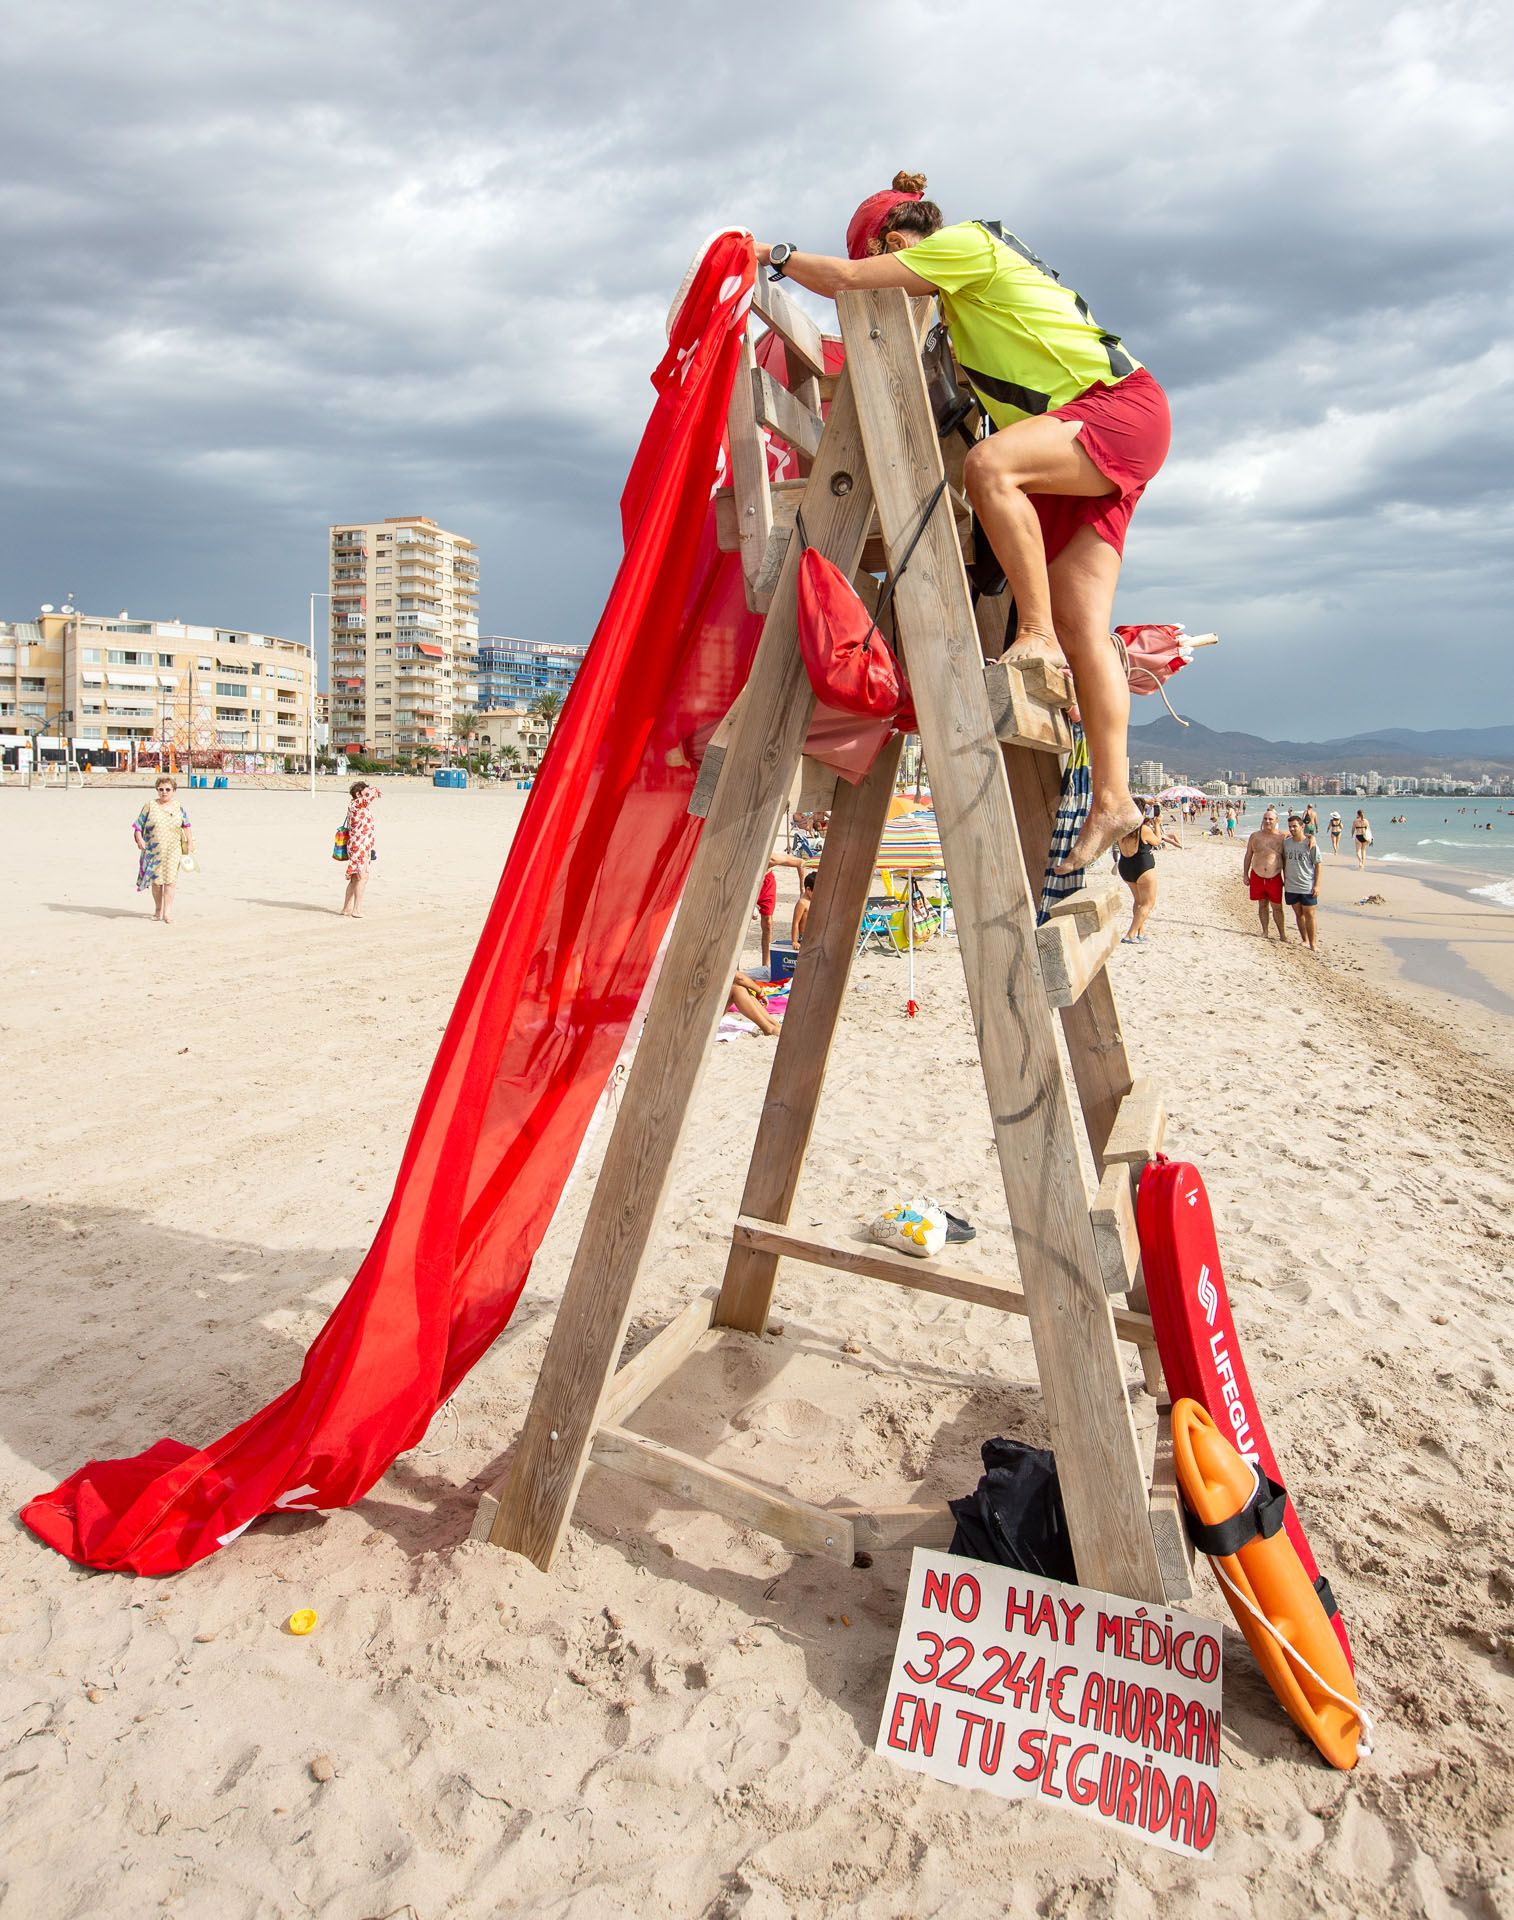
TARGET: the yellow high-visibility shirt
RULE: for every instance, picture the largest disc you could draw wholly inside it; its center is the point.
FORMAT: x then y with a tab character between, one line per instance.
1025	342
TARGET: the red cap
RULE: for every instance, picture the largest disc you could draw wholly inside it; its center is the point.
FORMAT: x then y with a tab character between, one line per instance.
870	216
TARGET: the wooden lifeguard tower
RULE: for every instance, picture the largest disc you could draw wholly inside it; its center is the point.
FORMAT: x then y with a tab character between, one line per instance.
992	737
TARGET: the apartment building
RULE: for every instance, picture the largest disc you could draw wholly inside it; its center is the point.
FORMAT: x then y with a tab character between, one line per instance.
499	727
156	685
516	673
404	636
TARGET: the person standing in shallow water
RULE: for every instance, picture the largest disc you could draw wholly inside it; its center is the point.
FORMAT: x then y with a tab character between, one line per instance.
360	846
163	836
1082	428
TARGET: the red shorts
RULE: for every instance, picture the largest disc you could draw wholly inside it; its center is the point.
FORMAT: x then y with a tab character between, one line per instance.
1270	888
767	895
1125	430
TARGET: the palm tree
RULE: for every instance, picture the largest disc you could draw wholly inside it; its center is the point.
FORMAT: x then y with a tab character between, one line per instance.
546	709
509	759
464	726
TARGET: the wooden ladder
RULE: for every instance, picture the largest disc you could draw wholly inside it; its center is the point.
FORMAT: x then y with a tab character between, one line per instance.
992	737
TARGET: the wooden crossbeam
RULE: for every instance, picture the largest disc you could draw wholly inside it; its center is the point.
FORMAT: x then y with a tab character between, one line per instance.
668	1348
878	1528
1114	1229
904	1270
776	408
751	490
1093	905
1139	1128
1072	953
793	326
1174	1548
1020	717
744	1502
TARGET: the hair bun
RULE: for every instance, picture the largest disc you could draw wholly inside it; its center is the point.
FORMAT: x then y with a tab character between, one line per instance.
909	182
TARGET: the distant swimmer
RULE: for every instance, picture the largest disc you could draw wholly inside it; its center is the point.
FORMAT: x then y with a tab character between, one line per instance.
1262	869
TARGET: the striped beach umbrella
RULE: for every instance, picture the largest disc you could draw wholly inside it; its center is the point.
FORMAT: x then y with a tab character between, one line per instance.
911	843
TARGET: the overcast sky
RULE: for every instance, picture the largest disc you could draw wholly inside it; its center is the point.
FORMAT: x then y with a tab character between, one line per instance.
270	266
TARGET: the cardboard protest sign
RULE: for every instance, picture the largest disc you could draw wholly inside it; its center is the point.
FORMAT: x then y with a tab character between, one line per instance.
1027	1687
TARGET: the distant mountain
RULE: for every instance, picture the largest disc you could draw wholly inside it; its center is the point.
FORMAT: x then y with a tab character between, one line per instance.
1204	753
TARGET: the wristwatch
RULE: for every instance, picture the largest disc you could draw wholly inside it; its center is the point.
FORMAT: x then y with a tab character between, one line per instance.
779	257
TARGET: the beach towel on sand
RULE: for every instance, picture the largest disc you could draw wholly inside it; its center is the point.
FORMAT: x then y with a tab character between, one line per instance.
593	875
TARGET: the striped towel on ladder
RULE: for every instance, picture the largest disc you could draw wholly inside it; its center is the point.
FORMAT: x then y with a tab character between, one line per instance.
1072	811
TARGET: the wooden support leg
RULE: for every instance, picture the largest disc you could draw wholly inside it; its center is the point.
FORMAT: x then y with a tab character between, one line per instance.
825	964
1082	1378
536	1501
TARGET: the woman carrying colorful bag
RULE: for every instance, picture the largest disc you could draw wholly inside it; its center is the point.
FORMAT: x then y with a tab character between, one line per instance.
355	844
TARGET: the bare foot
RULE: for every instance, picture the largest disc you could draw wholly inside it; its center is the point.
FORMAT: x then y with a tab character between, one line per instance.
1104	825
1036	643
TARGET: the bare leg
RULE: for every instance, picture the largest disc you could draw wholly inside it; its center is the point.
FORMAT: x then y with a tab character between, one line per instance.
766	921
349	898
1307	927
157	901
168	893
1083	579
1145	899
1261	914
1034	456
747	1003
360	887
1282	925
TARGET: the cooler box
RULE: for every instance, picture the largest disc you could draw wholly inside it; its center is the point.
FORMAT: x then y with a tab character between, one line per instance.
782	959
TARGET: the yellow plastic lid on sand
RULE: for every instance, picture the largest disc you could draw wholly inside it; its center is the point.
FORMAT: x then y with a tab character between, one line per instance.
302	1620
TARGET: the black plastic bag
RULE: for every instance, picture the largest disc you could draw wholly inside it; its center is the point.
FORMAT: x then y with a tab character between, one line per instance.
1016	1517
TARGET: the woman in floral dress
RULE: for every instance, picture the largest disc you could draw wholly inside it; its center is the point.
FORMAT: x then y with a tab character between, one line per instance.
359	824
163	835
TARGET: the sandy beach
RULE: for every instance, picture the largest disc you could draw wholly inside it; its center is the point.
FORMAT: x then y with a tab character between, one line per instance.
203	1125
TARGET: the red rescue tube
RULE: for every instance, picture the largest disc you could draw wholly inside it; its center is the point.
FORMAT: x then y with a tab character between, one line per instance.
1195	1333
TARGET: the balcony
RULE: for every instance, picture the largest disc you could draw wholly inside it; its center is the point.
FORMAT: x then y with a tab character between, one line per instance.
409	622
348	550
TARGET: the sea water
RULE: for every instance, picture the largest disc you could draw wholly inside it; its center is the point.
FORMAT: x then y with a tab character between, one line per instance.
1443	838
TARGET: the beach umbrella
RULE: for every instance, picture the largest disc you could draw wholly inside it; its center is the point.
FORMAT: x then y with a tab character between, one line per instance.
1153	654
911	844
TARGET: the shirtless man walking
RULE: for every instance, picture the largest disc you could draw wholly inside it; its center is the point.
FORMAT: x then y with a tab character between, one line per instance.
1262	867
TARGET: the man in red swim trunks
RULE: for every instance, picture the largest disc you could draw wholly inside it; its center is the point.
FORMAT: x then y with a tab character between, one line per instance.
1262	868
1082	427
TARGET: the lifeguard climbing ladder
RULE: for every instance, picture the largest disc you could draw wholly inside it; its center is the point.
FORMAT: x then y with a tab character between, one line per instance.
991	737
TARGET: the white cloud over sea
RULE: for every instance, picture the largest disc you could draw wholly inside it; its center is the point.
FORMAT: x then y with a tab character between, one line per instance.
277	265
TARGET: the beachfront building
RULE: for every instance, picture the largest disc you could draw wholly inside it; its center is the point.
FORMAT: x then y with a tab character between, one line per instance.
404	636
497	728
115	684
516	673
1150	777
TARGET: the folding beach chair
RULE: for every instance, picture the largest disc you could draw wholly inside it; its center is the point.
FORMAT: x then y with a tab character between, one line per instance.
876	930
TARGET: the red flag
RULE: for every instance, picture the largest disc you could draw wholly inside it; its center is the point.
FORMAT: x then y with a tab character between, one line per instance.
592	878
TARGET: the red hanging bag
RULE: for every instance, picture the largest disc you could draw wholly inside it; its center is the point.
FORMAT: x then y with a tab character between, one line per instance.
850	664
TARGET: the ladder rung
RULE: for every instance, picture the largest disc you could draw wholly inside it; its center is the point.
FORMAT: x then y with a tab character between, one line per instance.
793	326
1139	1127
1072	952
645	1371
1168	1533
748	1503
778	409
787	497
903	1270
1114	1229
1022	716
1094	904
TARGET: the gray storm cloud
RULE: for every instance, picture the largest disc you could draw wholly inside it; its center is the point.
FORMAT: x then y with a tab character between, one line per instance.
275	266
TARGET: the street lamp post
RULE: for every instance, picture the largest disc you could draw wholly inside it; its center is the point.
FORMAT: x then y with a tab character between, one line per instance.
313	598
